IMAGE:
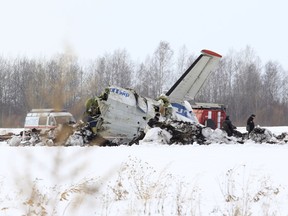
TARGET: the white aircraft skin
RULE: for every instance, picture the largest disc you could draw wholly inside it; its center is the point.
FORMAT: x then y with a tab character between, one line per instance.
124	114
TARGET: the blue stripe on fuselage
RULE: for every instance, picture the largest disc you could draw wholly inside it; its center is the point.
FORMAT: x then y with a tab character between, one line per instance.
181	110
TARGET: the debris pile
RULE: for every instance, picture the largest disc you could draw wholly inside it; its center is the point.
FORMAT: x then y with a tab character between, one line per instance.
6	136
165	132
263	135
179	132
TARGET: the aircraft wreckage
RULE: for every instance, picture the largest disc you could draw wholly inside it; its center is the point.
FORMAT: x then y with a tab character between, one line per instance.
122	116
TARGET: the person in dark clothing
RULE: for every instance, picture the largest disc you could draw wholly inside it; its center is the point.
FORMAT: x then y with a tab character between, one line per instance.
228	126
250	123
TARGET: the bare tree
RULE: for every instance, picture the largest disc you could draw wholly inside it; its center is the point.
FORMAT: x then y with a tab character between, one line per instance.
116	69
122	69
247	85
98	76
4	79
144	80
284	90
271	84
184	61
161	67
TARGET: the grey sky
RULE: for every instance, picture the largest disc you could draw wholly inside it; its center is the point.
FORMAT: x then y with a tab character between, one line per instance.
92	27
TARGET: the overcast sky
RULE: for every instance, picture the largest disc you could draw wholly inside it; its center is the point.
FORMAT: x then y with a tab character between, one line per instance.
90	28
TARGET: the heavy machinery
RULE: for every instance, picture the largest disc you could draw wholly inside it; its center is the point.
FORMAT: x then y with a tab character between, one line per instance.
210	114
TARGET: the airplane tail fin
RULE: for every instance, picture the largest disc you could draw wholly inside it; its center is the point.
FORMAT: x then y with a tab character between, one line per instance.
189	84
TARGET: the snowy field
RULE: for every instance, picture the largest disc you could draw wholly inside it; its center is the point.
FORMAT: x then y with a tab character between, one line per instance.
147	179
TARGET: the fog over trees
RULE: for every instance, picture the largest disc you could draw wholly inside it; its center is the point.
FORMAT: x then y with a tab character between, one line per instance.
242	82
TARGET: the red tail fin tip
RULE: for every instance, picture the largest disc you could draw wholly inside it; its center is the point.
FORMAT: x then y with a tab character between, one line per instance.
209	52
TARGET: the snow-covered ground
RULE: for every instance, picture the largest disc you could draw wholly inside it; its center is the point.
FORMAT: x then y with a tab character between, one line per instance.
146	179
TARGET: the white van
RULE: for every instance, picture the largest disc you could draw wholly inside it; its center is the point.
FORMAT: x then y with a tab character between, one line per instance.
45	119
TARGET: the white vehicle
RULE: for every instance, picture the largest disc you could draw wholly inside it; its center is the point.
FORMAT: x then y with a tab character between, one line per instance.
46	119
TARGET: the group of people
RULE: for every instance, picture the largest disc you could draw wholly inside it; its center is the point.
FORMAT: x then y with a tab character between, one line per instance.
231	129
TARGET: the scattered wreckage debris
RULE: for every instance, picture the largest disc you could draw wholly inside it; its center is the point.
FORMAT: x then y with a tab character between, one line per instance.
183	133
263	135
186	133
163	132
63	135
5	137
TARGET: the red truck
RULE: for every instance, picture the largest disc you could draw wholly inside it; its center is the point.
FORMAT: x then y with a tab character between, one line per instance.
210	114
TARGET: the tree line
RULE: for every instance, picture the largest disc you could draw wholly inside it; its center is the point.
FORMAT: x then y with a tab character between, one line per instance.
241	82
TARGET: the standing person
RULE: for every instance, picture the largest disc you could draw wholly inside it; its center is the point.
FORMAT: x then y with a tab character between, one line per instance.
250	123
228	126
92	113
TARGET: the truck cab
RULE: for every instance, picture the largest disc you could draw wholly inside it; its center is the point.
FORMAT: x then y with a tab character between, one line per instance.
210	114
